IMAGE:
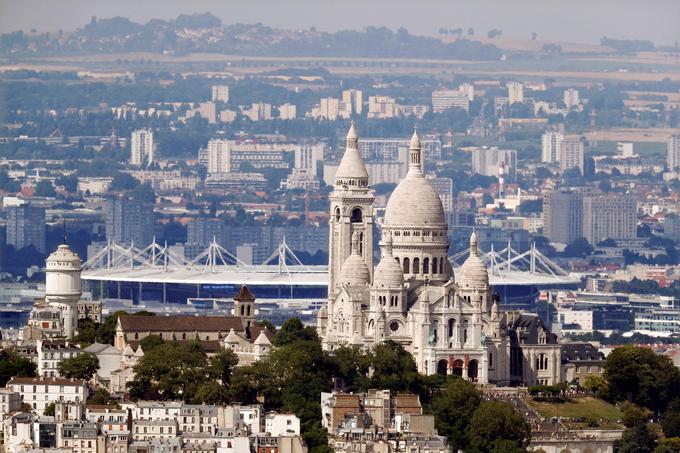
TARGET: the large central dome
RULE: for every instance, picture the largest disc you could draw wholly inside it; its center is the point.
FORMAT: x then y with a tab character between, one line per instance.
415	202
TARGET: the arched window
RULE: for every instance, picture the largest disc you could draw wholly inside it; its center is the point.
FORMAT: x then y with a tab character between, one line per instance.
426	265
434	265
407	266
452	325
397	258
357	216
416	265
442	269
361	244
337	214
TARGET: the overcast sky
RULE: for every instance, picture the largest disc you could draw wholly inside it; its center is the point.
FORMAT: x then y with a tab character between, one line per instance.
565	20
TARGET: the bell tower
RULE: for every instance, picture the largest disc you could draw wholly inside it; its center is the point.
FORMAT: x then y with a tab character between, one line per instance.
244	306
351	211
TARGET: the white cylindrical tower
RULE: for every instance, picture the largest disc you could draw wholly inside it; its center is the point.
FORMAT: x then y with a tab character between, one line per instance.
62	286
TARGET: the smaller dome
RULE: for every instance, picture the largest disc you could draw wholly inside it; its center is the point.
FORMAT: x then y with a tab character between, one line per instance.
352	165
64	254
388	272
473	273
354	270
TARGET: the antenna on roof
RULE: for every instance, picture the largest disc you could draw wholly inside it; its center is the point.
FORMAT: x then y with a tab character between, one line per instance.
63	222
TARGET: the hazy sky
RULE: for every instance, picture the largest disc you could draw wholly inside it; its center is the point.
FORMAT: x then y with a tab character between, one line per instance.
565	20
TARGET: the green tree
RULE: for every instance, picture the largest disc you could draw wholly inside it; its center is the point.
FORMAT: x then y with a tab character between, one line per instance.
83	366
123	182
70	183
150	342
453	407
172	370
642	377
87	332
222	365
637	439
44	188
49	409
597	384
107	329
580	248
353	366
100	397
671	420
497	425
12	365
394	368
293	330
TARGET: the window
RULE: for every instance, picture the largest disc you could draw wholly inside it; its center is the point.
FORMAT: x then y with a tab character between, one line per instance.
337	214
407	266
357	215
426	265
434	265
490	359
416	265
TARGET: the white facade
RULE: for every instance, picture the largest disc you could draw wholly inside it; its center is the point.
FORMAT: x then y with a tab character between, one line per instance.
673	152
219	156
307	157
381	107
353	99
572	154
551	147
51	352
515	92
287	111
141	147
571	98
282	424
220	93
448	99
450	325
62	286
39	392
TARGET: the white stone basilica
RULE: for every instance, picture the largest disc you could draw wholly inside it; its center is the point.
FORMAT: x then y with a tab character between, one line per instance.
451	325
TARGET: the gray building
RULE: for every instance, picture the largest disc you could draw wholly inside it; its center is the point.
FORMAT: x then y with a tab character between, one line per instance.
562	216
202	231
393	149
486	161
609	217
26	226
128	221
671	227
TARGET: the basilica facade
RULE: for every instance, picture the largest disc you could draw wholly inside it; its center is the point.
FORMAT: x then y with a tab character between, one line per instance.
451	324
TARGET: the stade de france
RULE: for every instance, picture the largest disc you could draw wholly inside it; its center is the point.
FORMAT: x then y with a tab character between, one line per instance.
452	318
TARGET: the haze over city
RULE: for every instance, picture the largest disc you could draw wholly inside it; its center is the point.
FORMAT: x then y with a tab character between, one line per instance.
579	21
360	226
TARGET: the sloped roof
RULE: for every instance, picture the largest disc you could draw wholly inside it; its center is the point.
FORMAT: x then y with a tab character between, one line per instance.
132	323
244	295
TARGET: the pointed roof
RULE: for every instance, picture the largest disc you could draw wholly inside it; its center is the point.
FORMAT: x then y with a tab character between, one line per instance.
232	337
473	273
388	273
352	165
262	340
244	295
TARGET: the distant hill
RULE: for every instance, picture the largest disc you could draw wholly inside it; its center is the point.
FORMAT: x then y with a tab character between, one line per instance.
206	33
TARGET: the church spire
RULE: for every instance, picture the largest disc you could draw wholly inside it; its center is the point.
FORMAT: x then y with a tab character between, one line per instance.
473	242
415	155
352	172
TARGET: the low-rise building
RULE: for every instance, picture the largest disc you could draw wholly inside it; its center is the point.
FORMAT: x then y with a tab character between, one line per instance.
51	352
40	392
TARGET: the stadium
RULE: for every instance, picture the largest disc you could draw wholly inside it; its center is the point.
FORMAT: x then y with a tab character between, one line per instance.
156	274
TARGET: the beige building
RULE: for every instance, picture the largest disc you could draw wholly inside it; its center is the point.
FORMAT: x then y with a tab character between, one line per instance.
609	217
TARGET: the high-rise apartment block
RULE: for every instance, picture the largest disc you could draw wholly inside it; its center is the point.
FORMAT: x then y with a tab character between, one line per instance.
353	100
562	216
26	226
219	156
468	89
609	217
673	152
449	99
308	156
129	221
141	147
571	98
287	111
487	161
551	146
515	92
572	153
381	107
220	93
